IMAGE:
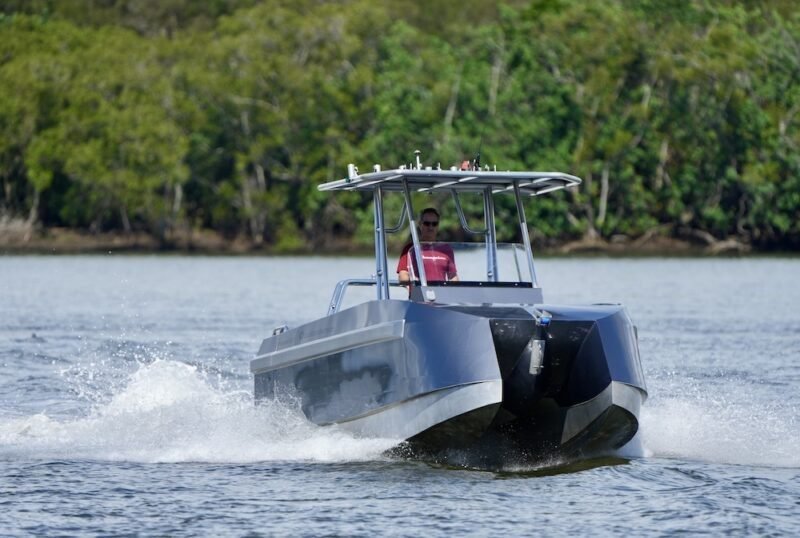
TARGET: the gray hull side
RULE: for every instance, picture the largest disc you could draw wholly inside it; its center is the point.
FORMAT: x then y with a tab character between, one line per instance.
445	376
384	368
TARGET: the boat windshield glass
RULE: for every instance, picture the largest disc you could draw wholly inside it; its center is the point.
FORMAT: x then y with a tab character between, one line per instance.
471	266
470	260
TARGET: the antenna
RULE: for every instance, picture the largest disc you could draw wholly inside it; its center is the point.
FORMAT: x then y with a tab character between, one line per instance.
476	164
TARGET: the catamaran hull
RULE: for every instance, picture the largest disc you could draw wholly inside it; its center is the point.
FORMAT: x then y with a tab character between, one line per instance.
444	377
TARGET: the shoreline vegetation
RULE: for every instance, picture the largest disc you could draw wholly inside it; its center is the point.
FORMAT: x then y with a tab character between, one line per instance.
17	238
207	126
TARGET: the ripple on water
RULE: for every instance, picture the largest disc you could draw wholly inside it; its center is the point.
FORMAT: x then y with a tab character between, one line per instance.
131	410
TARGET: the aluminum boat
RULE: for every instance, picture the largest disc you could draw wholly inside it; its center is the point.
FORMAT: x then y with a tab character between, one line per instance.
447	365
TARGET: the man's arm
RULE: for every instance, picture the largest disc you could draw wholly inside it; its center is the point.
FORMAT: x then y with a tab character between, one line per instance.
452	272
402	266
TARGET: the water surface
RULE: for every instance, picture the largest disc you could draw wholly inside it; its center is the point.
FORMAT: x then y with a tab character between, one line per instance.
126	408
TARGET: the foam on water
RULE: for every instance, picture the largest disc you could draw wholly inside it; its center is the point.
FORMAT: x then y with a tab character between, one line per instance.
731	421
169	412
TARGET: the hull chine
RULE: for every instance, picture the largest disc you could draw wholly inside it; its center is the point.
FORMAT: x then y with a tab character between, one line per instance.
457	415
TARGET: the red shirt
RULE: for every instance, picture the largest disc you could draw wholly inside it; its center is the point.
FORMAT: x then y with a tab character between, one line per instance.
438	258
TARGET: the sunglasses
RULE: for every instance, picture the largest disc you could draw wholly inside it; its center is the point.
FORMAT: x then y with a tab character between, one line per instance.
430	223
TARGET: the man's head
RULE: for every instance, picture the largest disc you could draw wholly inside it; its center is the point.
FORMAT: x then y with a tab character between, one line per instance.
428	224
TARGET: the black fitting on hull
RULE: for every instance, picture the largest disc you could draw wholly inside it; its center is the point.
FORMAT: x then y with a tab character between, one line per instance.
585	395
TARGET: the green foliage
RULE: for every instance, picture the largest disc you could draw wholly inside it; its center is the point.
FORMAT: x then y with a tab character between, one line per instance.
150	115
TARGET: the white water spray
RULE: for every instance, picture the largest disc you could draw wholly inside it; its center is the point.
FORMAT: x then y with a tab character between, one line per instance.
731	421
169	412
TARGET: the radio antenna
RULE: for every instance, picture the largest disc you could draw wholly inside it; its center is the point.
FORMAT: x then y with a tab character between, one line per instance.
476	164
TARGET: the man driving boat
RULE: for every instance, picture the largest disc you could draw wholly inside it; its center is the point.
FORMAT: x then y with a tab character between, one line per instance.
438	258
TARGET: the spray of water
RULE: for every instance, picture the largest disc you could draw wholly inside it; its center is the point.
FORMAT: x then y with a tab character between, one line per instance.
723	420
169	412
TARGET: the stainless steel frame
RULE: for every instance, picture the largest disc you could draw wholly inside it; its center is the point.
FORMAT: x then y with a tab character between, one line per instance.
412	224
487	183
523	226
463	218
381	269
491	236
341	288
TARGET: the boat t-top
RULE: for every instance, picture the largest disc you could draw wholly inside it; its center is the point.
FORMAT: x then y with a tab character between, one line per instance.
444	364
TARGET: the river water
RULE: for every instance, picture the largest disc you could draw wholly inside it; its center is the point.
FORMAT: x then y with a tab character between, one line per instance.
126	408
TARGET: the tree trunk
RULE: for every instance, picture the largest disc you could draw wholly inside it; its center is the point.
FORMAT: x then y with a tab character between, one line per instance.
497	68
260	216
126	223
261	179
601	211
176	203
247	203
256	231
451	108
663	155
33	216
591	231
6	192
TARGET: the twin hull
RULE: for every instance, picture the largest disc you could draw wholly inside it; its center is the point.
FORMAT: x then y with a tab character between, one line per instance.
450	376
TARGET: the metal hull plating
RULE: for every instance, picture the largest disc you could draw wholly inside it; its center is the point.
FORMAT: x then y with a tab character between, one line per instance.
446	377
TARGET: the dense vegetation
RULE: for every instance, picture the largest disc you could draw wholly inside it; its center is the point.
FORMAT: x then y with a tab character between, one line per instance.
164	116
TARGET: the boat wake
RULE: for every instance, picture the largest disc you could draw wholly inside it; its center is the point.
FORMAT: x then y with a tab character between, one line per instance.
169	411
732	421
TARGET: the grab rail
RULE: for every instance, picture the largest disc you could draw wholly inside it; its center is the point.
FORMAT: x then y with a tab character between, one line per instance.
341	288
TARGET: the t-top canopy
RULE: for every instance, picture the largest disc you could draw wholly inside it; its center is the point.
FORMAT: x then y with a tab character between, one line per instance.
431	180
